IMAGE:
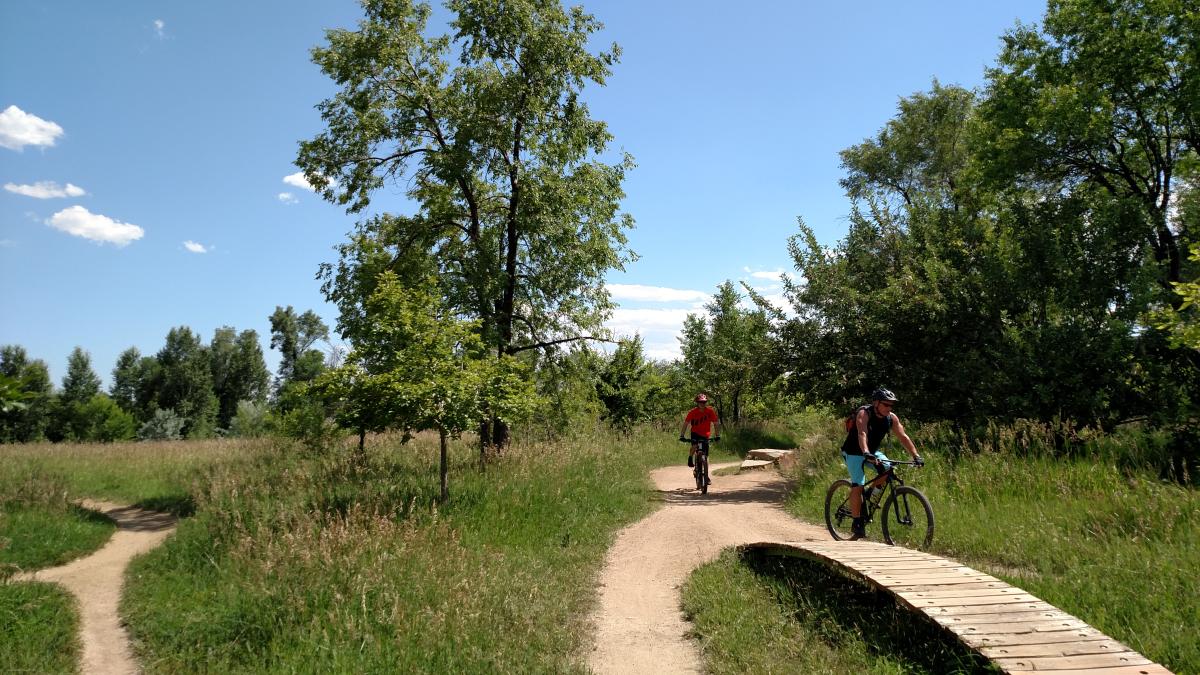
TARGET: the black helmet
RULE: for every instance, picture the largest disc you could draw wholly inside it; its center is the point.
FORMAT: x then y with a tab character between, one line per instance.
882	394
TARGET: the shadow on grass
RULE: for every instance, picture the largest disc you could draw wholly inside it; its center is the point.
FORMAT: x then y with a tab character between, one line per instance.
179	505
833	605
741	440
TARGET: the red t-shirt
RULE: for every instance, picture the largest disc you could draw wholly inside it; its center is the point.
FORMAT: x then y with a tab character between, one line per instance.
702	420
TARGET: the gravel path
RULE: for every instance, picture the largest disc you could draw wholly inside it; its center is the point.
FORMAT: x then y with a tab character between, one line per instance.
96	582
639	627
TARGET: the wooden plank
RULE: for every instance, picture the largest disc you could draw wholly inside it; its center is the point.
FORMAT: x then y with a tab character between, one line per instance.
1020	627
990	592
1148	669
954	621
999	600
964	610
925	580
1015	639
1066	662
1081	648
943	588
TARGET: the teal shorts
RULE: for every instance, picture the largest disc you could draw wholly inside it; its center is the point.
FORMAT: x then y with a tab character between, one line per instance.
855	464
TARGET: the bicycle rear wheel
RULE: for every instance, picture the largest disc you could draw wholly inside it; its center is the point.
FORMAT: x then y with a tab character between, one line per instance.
908	519
837	510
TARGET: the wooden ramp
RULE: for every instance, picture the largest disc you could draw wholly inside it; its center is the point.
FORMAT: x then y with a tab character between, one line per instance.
1017	631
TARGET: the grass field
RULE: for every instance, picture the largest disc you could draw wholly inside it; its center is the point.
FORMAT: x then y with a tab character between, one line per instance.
292	561
39	629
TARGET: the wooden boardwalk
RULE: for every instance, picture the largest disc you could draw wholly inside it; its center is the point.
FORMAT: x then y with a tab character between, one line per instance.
1017	631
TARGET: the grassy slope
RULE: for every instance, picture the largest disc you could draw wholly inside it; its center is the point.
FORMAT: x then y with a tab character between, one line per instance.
38	624
1116	547
334	564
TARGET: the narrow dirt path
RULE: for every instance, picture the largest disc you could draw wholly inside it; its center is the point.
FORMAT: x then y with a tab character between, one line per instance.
639	627
96	582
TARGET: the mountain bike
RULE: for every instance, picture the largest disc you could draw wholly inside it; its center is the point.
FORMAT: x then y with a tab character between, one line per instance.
907	515
700	470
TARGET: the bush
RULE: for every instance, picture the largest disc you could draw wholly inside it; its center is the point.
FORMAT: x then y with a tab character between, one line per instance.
164	426
310	425
253	420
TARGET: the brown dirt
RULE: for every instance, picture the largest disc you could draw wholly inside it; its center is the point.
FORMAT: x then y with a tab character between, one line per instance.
96	582
638	624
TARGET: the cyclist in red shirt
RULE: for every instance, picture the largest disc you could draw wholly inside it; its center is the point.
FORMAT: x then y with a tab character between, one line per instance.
703	422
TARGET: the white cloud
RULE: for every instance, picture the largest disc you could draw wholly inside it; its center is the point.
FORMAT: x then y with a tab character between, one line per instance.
19	129
79	222
298	180
7	243
194	247
637	292
287	198
159	25
46	189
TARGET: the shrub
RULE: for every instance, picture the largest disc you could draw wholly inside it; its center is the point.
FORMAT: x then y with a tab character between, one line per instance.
164	426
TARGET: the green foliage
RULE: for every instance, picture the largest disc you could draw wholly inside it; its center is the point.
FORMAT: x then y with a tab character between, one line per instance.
239	372
727	351
185	382
29	393
253	420
80	383
294	336
1183	323
488	129
165	425
629	387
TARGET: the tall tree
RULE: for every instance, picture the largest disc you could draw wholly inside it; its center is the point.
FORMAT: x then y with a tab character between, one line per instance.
421	368
515	214
628	385
294	336
26	422
186	381
1106	92
239	371
725	350
80	383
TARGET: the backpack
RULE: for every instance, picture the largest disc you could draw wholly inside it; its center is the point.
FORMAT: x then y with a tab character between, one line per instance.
851	424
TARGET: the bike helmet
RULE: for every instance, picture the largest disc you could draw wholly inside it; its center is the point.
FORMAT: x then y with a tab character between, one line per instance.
882	394
701	398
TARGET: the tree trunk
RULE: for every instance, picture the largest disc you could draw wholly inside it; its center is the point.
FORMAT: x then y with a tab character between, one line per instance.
443	466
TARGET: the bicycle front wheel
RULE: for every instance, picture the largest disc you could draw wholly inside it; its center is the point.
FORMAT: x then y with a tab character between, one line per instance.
838	518
908	519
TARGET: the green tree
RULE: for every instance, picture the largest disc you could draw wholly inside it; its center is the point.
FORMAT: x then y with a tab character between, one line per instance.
70	419
515	214
726	349
629	386
419	367
126	376
26	422
186	382
294	336
1106	93
239	372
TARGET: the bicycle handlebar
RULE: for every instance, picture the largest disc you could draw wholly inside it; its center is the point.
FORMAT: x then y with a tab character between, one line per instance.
714	439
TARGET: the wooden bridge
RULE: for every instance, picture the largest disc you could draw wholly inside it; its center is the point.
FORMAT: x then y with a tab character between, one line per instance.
1017	631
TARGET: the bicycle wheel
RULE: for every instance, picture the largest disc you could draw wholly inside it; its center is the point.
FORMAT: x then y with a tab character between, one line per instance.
837	510
704	476
908	519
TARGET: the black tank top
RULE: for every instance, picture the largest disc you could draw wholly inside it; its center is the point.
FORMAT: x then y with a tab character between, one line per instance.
877	428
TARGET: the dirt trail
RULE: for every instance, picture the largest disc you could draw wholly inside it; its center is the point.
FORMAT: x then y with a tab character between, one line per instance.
96	582
639	627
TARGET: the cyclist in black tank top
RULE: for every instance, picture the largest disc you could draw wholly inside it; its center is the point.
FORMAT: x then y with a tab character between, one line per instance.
871	424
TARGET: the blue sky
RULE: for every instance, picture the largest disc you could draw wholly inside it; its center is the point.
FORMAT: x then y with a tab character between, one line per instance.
145	150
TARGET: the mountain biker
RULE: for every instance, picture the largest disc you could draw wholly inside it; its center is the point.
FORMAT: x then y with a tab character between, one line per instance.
872	423
703	422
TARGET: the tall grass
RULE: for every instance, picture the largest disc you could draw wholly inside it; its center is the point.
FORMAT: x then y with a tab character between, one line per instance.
38	624
39	525
1086	528
348	564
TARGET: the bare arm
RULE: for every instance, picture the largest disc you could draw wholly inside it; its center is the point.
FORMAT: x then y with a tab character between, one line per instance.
861	421
903	437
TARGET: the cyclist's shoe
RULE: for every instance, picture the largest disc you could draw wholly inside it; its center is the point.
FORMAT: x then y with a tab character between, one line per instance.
858	529
707	480
691	462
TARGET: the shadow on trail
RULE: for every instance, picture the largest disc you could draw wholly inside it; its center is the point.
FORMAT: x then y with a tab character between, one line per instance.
136	520
758	494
